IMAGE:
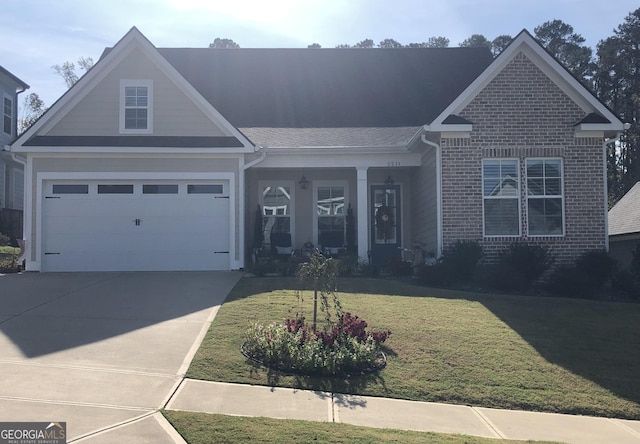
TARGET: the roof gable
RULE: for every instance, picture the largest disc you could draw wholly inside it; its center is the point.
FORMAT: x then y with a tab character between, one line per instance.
133	57
524	43
324	88
624	217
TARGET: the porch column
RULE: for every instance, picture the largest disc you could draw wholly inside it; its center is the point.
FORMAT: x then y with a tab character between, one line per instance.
362	215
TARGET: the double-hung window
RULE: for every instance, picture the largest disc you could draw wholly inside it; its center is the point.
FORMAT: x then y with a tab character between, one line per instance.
7	115
136	106
330	211
544	197
501	197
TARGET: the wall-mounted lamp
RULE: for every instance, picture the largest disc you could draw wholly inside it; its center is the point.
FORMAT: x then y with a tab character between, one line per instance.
303	182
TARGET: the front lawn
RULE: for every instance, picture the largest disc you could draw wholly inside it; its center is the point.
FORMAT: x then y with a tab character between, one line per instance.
202	428
515	352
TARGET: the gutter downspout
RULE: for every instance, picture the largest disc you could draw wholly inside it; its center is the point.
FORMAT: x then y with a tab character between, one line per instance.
606	188
438	191
263	154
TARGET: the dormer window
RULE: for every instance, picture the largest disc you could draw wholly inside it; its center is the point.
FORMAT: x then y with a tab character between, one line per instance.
136	106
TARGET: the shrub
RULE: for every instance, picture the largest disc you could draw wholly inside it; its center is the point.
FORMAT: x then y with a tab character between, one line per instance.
461	259
434	275
4	240
597	265
586	278
347	347
397	267
518	267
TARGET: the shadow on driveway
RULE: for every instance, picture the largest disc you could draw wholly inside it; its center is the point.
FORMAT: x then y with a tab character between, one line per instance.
44	313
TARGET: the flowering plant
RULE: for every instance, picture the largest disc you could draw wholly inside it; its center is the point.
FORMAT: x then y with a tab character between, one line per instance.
292	346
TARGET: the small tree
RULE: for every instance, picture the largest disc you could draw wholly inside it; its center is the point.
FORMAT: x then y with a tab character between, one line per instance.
322	273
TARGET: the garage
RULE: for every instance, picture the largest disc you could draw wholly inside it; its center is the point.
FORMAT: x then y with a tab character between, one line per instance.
135	225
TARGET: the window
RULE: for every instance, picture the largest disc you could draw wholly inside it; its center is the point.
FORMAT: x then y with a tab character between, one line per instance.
204	189
331	216
544	197
7	115
276	211
501	197
136	99
71	189
115	189
160	189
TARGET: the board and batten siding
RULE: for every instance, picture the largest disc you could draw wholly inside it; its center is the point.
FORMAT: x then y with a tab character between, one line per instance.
174	114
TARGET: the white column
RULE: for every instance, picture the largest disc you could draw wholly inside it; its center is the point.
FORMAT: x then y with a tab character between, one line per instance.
362	215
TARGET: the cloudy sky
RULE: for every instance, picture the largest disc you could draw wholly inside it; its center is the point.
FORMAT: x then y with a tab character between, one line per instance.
37	34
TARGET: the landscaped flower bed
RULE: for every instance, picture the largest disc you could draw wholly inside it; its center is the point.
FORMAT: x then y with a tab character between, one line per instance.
347	348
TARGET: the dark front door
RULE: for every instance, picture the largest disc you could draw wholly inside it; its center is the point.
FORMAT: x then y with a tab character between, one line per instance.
385	223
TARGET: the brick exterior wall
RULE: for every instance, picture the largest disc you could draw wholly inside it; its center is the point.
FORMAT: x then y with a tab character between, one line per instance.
522	114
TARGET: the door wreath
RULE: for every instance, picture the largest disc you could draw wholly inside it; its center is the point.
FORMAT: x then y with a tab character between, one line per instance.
384	222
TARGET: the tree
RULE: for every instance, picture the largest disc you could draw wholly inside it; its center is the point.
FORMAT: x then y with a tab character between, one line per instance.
565	45
32	108
476	41
500	43
617	82
437	42
322	274
366	43
389	43
314	46
68	70
224	44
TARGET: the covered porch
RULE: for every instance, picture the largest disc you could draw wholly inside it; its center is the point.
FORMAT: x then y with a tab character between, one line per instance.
365	203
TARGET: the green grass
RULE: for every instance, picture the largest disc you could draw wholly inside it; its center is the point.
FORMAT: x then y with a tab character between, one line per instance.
514	352
202	428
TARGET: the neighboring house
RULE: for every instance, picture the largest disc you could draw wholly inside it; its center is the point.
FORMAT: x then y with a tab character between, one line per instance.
186	159
624	226
11	170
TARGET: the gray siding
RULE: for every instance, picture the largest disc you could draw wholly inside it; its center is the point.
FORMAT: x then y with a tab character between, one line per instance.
174	114
425	202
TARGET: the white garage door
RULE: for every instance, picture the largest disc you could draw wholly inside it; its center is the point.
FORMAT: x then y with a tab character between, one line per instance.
135	226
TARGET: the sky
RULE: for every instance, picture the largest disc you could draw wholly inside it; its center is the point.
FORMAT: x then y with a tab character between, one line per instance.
37	34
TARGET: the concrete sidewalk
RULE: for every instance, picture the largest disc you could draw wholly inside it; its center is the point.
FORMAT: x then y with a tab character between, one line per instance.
275	402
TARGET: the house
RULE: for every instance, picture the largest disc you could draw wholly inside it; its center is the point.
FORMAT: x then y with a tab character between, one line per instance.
11	170
187	159
624	226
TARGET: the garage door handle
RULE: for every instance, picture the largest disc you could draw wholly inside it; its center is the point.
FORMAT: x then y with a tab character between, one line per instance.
221	197
221	252
46	254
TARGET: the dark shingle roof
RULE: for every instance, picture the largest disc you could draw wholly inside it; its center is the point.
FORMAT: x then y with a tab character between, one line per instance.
624	217
329	88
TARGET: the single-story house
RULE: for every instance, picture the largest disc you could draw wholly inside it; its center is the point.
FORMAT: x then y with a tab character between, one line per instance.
189	158
624	226
11	168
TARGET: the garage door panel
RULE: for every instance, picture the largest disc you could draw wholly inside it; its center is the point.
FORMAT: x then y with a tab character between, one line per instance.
136	232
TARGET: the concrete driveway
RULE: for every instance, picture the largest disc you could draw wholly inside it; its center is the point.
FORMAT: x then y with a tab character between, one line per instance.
102	351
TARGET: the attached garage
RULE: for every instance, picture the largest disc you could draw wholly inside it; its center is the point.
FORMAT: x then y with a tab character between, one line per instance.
135	225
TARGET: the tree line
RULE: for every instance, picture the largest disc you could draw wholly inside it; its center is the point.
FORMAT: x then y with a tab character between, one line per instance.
611	72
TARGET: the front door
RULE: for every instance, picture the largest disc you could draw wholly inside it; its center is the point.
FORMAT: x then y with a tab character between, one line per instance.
385	223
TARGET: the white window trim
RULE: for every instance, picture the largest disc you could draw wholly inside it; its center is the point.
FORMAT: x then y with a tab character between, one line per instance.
328	183
137	82
292	220
13	117
518	198
562	196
